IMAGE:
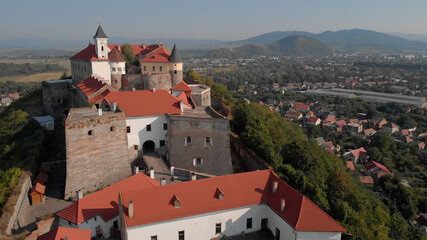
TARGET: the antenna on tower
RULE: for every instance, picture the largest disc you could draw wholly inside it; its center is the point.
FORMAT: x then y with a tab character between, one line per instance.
99	20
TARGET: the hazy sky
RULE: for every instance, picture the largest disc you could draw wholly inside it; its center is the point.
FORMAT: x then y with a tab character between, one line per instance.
213	19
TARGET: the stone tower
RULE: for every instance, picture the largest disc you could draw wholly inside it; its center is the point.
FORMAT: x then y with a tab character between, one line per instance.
96	149
175	69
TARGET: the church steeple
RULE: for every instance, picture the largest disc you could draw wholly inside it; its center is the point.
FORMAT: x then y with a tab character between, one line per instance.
101	46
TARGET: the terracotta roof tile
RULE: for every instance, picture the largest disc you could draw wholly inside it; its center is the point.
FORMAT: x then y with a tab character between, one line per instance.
182	86
372	164
38	188
350	165
158	55
61	232
104	202
115	56
90	85
145	102
244	189
366	179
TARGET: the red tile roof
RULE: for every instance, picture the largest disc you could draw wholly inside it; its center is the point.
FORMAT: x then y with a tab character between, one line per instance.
361	152
89	52
98	98
104	202
158	55
244	189
340	123
71	233
312	119
115	56
145	102
182	86
366	179
372	164
369	131
350	165
38	188
90	85
300	105
183	97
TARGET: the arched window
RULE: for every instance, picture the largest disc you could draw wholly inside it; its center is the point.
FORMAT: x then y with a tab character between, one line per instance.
176	72
120	69
102	48
114	69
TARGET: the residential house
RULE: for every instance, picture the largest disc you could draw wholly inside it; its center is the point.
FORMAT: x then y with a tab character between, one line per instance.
369	132
373	168
291	114
366	180
358	155
354	128
312	121
390	128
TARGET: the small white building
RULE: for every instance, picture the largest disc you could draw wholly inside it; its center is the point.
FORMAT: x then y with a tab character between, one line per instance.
47	122
224	206
145	115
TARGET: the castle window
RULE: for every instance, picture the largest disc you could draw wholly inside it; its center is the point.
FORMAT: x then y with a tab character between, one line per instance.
90	133
188	141
149	128
165	126
154	237
145	68
198	161
102	48
160	68
112	129
208	141
217	228
248	223
120	69
162	143
135	147
114	69
181	235
175	72
128	129
154	68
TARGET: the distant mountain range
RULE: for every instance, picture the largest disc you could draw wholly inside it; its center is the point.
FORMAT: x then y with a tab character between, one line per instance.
289	46
346	40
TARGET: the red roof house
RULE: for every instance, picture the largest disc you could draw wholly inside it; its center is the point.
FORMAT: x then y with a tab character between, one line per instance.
37	193
373	168
366	180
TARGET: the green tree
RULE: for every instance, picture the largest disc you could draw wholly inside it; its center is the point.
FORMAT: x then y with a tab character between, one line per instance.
129	56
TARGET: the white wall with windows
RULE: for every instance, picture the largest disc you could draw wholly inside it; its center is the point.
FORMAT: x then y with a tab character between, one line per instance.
232	222
118	67
140	133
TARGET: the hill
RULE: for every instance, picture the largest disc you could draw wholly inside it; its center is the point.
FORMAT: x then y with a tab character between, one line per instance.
288	46
347	39
300	46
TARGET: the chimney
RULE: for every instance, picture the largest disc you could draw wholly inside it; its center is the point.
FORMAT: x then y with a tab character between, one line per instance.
193	176
114	106
79	195
130	209
118	47
133	89
172	170
162	181
154	89
99	111
181	105
282	204
275	186
152	173
135	170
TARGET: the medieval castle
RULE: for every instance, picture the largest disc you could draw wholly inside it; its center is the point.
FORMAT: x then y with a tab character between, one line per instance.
113	116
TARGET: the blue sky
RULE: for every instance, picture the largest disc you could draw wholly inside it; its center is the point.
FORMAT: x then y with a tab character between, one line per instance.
213	19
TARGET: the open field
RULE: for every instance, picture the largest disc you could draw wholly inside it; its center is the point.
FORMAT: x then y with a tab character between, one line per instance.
39	76
33	78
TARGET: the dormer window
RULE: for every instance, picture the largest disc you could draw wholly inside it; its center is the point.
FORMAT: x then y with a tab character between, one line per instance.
219	194
175	201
